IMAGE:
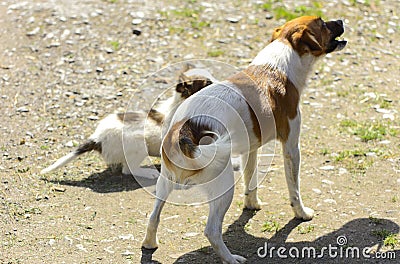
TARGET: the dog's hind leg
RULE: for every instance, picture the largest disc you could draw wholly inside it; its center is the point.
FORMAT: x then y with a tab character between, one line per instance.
217	211
249	161
291	152
163	189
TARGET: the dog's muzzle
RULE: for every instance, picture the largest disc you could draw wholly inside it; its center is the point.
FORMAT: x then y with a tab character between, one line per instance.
337	29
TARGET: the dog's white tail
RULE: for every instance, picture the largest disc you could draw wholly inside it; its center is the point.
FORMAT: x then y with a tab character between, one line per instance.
83	148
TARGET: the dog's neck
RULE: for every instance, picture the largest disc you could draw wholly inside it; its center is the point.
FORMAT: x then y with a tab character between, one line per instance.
282	56
166	106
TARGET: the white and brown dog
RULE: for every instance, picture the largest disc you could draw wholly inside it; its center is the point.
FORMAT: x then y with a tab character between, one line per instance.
128	138
256	105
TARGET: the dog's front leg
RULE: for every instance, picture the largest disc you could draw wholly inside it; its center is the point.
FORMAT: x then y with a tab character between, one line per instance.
249	161
291	152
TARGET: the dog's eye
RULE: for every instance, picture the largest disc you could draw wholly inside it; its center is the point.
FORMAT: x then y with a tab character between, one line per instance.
324	24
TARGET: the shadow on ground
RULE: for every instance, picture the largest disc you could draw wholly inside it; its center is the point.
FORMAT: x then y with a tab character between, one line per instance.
358	234
108	181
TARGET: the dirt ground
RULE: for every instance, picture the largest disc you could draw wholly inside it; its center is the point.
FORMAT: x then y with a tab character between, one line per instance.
66	64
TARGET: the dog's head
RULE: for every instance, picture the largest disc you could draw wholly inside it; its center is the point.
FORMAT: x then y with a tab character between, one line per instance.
311	35
189	85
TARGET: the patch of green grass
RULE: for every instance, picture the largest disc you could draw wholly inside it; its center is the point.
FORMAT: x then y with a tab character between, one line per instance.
342	93
270	226
356	161
305	230
324	151
368	130
215	53
385	104
199	25
389	239
44	147
175	30
301	10
186	12
395	199
115	45
346	154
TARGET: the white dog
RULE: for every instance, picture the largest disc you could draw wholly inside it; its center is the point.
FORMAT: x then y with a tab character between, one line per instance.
252	107
122	139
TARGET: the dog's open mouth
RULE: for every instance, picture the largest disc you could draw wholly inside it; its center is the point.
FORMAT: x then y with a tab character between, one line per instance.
337	43
340	43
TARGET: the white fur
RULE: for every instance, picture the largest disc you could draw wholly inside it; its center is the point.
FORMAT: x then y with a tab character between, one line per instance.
282	56
125	143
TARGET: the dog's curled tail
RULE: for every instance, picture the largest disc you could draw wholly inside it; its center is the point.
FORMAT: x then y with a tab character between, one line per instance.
191	147
89	145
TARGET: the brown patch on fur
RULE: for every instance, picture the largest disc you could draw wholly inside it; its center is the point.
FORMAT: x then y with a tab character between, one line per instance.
183	137
130	117
189	85
156	116
274	92
88	146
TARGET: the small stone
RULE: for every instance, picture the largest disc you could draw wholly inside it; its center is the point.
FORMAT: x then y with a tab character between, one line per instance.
269	16
70	144
327	168
93	117
127	253
59	189
51	242
233	19
33	32
379	36
109	50
390	31
99	69
317	191
190	234
31	20
136	21
126	237
327	182
342	171
330	201
22	109
136	32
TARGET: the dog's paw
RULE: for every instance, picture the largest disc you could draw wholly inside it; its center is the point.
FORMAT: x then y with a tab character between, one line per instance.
251	201
236	259
147	173
305	214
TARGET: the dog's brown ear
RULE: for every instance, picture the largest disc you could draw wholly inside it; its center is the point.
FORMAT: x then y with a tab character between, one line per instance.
182	82
303	41
276	33
311	41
